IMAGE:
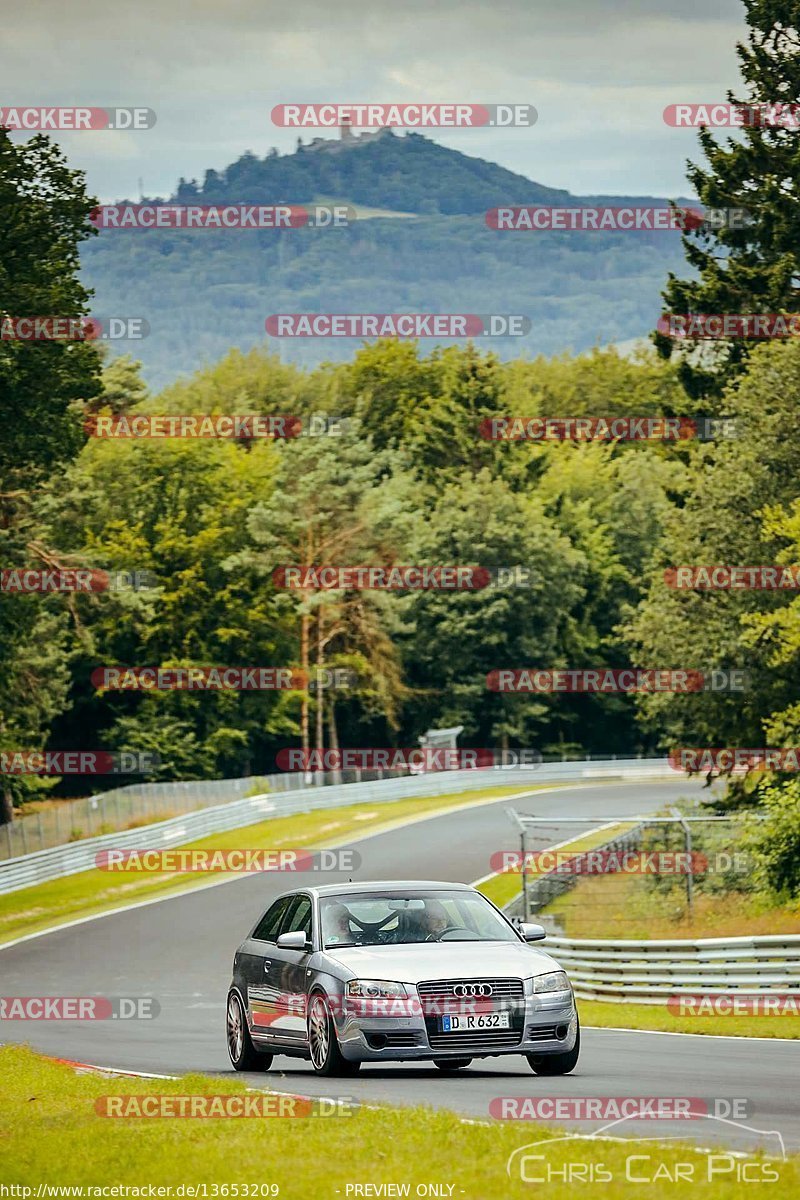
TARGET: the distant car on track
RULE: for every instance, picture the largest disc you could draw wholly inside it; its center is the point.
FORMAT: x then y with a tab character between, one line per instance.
375	972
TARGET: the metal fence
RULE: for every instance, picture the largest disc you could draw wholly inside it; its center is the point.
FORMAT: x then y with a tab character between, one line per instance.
58	861
143	803
684	859
649	972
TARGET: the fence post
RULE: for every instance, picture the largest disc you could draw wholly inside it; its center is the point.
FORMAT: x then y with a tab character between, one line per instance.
687	835
40	826
525	899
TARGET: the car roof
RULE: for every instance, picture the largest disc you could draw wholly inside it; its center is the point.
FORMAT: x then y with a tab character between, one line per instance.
379	885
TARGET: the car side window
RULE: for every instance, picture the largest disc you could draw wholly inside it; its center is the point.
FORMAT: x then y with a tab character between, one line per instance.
268	926
299	917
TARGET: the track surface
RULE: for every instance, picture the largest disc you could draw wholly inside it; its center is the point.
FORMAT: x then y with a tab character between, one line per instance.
180	950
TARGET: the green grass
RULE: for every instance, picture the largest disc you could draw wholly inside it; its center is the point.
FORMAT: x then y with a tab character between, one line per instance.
632	906
501	889
504	887
35	908
657	1017
51	1133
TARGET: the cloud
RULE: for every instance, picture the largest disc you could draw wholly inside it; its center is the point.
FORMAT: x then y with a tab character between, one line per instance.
599	75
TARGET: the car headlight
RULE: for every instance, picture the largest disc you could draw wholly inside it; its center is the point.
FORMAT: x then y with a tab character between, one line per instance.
553	981
373	988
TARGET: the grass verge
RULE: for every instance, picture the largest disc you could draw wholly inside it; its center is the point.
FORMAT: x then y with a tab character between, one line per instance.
634	908
619	903
43	905
51	1134
657	1017
504	887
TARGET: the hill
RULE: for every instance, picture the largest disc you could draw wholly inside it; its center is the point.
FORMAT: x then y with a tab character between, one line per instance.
204	291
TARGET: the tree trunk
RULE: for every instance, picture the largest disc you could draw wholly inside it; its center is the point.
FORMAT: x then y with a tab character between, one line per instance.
320	696
304	622
333	736
6	807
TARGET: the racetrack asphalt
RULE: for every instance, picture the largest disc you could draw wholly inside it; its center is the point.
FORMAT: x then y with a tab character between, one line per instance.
180	949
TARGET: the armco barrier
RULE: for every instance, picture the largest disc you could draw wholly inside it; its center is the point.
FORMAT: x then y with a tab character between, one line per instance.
43	865
648	972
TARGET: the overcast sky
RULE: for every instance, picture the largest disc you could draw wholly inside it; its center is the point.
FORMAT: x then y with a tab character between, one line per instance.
599	75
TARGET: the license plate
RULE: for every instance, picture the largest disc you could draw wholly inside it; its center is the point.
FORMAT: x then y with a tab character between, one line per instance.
498	1020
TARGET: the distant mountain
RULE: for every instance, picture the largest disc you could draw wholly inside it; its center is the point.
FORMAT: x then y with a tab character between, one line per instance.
381	170
205	291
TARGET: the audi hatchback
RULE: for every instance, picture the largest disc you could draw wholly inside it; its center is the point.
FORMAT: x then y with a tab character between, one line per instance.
376	972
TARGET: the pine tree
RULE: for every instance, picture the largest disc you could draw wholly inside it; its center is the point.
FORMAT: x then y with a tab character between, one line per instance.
752	266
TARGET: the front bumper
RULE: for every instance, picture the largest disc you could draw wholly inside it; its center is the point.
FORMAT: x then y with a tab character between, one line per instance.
549	1026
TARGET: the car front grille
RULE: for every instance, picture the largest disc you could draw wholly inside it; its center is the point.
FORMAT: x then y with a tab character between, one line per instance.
503	989
473	1038
440	996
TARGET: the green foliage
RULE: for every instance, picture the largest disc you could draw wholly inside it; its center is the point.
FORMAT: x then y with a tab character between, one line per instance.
750	268
409	173
725	513
775	842
44	218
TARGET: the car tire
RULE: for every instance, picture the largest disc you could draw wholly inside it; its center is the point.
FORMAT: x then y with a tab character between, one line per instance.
243	1053
557	1064
326	1057
451	1064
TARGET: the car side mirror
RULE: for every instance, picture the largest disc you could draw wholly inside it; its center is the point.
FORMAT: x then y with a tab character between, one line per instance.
530	931
296	940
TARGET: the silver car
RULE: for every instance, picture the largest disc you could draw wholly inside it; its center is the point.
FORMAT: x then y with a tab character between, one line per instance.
375	972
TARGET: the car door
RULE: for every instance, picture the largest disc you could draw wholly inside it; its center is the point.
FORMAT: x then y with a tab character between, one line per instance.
254	962
288	973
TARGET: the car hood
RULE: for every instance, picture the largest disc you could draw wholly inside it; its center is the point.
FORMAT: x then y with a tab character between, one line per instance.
443	960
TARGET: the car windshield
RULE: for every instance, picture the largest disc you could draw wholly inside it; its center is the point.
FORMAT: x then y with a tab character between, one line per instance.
391	918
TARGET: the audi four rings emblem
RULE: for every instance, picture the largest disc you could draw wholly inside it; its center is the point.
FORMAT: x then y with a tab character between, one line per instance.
473	989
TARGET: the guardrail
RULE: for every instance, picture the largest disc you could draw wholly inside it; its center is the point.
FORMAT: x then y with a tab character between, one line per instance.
145	803
58	861
649	972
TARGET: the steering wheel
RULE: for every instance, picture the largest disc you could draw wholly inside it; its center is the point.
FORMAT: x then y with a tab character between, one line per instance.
437	937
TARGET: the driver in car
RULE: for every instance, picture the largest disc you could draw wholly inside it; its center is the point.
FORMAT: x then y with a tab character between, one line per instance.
434	920
336	925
